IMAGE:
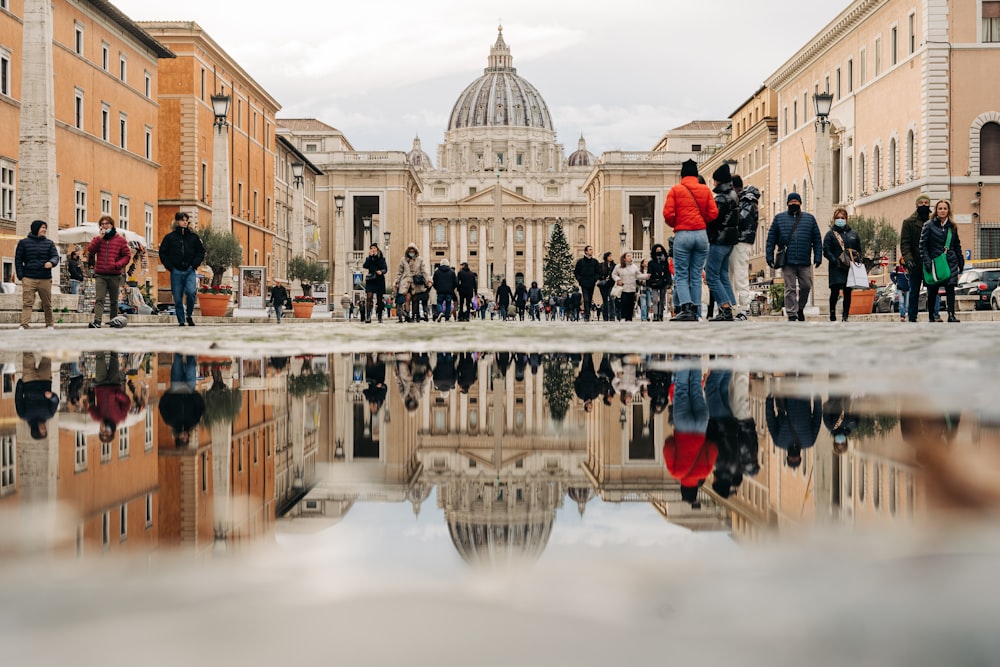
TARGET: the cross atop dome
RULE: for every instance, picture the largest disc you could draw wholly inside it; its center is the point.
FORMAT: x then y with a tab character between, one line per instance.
500	58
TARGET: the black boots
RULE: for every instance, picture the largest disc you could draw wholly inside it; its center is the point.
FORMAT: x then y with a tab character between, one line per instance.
687	313
725	314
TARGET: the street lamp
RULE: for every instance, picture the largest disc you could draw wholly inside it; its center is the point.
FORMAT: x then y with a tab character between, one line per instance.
622	418
366	221
646	223
732	164
822	103
298	169
623	235
338	201
386	235
220	107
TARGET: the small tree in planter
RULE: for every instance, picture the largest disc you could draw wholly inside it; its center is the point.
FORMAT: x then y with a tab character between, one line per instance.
308	272
222	252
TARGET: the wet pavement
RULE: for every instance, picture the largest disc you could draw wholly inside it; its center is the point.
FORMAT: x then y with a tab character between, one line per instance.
764	492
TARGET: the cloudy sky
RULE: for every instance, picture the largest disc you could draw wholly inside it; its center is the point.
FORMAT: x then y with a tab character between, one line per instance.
621	73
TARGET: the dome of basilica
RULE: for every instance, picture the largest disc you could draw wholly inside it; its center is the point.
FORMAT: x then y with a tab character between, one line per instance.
581	157
500	97
417	157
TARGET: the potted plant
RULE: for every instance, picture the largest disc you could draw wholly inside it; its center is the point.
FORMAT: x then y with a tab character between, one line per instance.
307	272
878	238
222	403
222	252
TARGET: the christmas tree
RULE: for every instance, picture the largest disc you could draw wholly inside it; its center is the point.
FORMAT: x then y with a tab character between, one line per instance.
557	385
558	270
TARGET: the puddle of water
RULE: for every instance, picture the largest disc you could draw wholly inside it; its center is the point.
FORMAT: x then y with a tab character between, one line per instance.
497	483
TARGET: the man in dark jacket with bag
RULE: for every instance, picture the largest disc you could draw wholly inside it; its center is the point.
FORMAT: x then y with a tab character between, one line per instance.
181	253
34	258
723	234
108	254
739	261
909	248
444	281
798	234
468	284
587	271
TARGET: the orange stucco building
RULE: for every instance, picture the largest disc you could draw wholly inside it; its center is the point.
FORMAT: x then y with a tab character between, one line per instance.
105	70
201	69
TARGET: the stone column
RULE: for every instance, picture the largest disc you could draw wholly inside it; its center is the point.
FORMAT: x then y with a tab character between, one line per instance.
507	257
37	188
529	251
823	190
297	232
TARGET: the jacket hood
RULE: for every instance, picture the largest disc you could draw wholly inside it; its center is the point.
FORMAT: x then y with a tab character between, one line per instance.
750	192
413	247
37	225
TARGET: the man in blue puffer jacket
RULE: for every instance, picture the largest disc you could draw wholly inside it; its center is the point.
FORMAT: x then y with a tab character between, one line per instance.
795	270
34	258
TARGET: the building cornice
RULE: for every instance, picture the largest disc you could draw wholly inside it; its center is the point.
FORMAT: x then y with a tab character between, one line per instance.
847	21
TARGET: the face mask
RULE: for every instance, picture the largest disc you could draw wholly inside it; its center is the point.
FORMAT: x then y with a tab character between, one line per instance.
411	255
840	222
793	209
661	255
108	230
924	212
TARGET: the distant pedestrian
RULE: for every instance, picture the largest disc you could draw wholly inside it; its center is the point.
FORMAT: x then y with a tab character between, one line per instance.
534	301
688	209
659	281
605	283
279	295
839	240
503	298
181	253
468	285
627	275
901	277
909	248
445	281
587	272
723	234
376	267
520	300
412	281
739	261
75	270
938	236
34	257
347	305
798	233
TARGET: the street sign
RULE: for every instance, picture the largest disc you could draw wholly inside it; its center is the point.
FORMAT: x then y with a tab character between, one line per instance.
883	261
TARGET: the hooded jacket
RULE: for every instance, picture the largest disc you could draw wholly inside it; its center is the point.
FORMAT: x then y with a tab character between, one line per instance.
909	240
932	238
749	214
31	254
725	229
467	282
109	253
690	206
409	268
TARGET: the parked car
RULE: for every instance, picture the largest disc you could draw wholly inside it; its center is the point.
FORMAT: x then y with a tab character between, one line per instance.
886	300
979	283
995	298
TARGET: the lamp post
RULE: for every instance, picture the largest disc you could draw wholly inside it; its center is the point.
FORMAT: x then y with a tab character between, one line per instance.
732	164
340	282
366	222
298	210
646	223
822	189
221	195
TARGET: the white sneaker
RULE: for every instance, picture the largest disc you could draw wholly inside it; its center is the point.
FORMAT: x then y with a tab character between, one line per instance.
23	326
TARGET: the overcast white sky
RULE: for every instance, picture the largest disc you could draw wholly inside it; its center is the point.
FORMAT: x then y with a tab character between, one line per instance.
620	73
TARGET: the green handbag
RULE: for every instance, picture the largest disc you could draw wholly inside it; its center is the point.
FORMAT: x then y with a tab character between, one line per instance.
939	271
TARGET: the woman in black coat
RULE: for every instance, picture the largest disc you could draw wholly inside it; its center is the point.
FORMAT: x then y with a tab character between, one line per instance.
374	281
934	241
841	238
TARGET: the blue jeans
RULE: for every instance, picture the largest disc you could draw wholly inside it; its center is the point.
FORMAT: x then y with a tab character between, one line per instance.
717	274
183	283
184	371
690	407
903	300
644	299
444	305
690	253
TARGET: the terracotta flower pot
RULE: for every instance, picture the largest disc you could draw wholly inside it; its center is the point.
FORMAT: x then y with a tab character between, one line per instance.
862	301
302	309
213	305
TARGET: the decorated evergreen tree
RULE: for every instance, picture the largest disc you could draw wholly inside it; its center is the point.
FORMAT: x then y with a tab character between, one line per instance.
558	270
557	385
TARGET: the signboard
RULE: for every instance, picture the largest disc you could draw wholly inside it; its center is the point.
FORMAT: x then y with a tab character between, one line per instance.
359	281
968	254
321	292
883	261
252	292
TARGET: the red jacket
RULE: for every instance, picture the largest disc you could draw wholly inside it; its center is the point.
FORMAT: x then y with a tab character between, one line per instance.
110	402
681	211
110	255
689	457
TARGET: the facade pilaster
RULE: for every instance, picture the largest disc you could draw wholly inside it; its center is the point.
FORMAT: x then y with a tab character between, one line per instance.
936	93
529	251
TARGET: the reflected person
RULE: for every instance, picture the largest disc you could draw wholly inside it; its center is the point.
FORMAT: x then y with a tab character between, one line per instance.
34	400
793	423
108	403
182	406
376	389
723	431
688	454
840	421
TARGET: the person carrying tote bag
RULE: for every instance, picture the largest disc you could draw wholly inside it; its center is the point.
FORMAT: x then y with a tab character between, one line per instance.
842	249
941	256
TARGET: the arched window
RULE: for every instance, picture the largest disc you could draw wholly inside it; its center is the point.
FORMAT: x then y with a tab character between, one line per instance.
581	234
911	160
877	168
519	234
893	163
989	149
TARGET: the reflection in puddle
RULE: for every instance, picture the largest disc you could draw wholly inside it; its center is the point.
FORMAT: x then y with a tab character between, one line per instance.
210	454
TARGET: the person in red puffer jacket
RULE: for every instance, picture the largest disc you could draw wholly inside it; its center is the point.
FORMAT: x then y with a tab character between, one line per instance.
108	254
689	208
688	454
108	404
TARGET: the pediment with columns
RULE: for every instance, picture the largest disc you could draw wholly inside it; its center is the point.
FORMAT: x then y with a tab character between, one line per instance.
486	197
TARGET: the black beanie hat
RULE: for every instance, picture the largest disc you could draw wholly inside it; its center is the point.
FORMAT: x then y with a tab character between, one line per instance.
36	225
689	168
722	175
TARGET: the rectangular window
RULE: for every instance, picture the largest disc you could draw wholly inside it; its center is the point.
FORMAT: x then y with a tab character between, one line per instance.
863	67
80	204
795	114
836	80
105	452
147	84
203	84
149	244
105	122
78	109
80	449
785	120
991	21
105	56
123	130
149	508
123	68
7	181
310	148
105	203
78	39
850	75
204	182
123	210
8	464
106	529
878	56
124	446
894	46
239	113
149	143
255	206
4	72
239	200
123	522
912	34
